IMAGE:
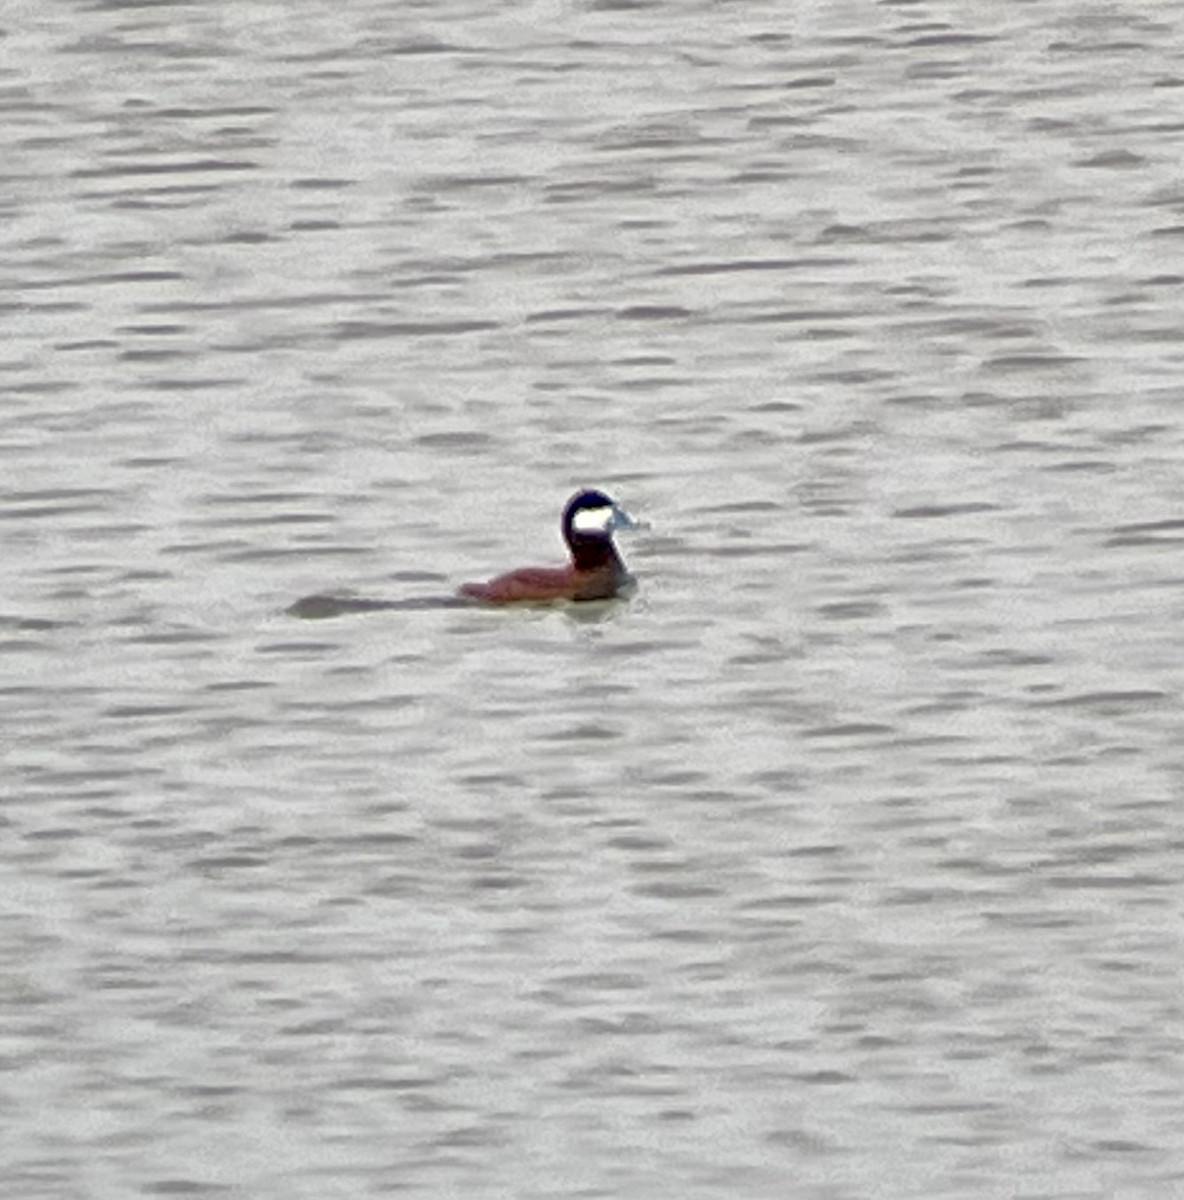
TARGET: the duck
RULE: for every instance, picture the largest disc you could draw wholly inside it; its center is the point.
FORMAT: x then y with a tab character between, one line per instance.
595	572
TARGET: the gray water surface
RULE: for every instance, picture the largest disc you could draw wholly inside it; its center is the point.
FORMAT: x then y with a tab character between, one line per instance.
844	861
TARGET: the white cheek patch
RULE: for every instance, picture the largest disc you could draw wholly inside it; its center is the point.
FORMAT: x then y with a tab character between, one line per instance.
593	520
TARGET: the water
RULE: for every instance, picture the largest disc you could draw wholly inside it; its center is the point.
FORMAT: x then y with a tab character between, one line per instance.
844	861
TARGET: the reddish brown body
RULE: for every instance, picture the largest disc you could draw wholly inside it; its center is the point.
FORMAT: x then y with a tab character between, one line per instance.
541	584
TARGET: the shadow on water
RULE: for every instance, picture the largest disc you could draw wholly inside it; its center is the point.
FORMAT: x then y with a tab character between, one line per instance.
318	608
322	607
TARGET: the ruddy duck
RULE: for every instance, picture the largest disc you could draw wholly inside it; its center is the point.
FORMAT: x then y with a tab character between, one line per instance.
595	572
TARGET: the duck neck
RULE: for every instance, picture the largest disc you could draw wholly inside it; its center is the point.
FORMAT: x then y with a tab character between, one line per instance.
594	553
